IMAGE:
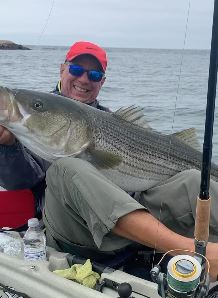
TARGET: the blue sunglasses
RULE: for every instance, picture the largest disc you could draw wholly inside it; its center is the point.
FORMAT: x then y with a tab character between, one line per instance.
93	75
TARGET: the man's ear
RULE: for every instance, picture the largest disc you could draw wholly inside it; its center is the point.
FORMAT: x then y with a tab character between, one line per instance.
62	68
103	80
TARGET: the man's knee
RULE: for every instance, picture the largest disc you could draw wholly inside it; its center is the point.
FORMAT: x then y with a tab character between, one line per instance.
192	174
190	183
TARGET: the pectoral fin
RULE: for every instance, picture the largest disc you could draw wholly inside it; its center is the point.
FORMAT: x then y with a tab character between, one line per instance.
102	159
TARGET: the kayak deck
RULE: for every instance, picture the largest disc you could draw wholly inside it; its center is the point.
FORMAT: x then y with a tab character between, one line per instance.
36	279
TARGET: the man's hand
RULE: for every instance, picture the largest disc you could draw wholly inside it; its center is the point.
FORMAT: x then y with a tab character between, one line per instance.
212	255
6	137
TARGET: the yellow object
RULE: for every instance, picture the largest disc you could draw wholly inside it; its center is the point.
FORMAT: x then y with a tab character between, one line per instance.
83	274
184	275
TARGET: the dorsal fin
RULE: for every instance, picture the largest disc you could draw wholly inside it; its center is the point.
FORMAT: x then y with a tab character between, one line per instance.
134	115
189	136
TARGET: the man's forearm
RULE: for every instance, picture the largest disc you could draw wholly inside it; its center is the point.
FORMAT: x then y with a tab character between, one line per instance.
142	227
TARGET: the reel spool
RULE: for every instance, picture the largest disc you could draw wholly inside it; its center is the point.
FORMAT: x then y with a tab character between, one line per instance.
183	276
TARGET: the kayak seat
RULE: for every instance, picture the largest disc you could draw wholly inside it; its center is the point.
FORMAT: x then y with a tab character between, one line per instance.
16	207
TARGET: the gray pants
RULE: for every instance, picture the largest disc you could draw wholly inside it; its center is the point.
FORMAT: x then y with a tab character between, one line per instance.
82	206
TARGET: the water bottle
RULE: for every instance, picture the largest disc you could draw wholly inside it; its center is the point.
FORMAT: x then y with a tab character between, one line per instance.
34	242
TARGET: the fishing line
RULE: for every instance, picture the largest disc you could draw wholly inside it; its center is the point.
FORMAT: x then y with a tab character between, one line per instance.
44	29
180	68
43	66
174	113
46	22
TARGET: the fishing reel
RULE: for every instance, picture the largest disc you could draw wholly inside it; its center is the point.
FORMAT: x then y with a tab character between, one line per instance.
185	277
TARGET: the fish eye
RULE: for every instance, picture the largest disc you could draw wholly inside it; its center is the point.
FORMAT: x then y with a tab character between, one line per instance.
38	105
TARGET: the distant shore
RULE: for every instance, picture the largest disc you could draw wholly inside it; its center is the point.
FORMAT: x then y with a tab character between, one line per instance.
10	45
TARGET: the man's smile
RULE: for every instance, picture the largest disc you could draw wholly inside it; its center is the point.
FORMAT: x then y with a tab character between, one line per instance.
80	89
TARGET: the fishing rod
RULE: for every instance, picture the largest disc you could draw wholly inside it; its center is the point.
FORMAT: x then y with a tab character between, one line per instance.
203	203
188	276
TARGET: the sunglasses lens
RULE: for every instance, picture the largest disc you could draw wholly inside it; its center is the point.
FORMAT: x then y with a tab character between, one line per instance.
95	76
76	70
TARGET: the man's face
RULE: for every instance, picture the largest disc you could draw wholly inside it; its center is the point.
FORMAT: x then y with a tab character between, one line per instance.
81	88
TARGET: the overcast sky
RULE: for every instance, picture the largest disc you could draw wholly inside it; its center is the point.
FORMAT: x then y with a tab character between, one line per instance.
110	23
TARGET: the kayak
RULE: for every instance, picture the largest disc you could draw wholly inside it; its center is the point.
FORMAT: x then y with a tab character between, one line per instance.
36	279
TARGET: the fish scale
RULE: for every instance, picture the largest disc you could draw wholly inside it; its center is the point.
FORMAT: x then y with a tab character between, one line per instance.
140	150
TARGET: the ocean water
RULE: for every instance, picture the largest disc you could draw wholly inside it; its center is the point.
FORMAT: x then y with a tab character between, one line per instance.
171	85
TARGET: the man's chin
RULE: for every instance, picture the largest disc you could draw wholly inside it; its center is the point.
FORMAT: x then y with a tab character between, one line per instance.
83	100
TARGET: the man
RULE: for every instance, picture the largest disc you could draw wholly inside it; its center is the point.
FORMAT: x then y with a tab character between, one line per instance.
84	210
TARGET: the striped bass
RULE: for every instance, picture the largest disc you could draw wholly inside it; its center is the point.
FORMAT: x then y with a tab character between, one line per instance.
120	144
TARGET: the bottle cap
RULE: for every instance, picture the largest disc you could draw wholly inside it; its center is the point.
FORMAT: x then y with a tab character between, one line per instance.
33	222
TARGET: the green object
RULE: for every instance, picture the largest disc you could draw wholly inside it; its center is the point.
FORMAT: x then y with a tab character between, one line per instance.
82	274
181	286
183	274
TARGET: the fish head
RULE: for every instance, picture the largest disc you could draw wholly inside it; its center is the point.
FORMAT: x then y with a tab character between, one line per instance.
50	125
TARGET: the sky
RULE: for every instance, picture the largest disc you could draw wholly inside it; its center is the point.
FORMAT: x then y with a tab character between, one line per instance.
110	23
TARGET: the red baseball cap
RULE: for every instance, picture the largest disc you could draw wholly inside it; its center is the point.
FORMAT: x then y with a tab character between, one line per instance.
85	47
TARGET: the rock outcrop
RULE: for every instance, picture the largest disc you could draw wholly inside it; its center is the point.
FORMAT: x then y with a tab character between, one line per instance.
9	45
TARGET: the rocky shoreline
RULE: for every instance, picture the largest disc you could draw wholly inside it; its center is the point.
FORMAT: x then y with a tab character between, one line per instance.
9	45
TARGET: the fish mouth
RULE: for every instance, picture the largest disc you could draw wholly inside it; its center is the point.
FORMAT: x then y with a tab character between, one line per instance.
9	111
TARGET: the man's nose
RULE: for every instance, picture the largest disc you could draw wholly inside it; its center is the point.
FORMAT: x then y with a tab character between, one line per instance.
84	77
